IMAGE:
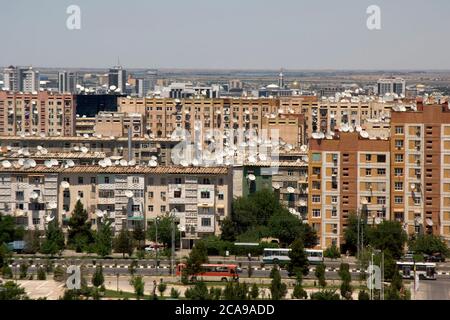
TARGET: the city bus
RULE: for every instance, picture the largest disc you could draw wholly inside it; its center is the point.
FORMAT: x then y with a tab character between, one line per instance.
281	256
425	270
213	272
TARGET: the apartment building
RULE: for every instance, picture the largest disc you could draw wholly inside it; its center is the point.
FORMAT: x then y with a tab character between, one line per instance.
199	197
117	124
348	174
142	149
37	114
420	182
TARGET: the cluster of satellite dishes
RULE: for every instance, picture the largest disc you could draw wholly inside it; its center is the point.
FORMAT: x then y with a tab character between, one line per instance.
108	162
51	163
21	163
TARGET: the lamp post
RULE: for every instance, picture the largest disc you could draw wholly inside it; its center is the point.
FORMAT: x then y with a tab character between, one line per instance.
173	213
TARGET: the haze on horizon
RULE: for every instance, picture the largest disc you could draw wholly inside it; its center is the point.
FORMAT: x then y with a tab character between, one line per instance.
233	34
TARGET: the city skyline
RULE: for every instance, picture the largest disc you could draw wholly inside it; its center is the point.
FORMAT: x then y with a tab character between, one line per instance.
151	35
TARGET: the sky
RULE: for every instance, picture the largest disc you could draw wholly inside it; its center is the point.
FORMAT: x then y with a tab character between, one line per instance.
231	34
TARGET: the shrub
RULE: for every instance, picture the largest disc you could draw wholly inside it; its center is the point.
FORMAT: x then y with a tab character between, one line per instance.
41	275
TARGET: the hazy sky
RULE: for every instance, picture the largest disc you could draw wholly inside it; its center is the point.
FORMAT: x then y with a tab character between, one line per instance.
249	34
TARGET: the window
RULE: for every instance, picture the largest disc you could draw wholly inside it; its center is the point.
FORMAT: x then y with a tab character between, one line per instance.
93	180
381	171
220	196
135	208
417	201
398	199
66	194
381	158
135	180
34	206
206	222
316	185
138	193
381	200
177	194
316	198
398	130
399	144
398	172
80	180
334	199
178	181
163	195
334	212
150	194
204	194
36	221
290	173
106	194
316	157
316	213
399	157
316	170
150	208
80	194
368	157
106	179
163	209
398	186
368	172
19	195
19	178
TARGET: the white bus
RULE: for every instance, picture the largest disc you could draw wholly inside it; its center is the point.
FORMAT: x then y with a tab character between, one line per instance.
281	256
425	270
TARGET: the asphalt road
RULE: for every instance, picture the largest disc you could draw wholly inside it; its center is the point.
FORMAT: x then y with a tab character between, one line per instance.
434	290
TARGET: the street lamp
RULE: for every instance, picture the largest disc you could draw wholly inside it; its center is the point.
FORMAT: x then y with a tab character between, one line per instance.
173	213
156	243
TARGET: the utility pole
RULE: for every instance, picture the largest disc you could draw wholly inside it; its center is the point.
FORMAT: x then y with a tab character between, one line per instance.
172	260
156	245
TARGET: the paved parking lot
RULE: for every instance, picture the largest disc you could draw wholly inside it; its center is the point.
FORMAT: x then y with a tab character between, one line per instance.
49	289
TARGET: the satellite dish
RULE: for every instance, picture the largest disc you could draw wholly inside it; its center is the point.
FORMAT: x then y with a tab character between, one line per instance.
84	150
49	218
34	195
44	151
302	203
195	162
304	148
358	128
290	190
102	163
39	148
153	163
413	186
52	205
132	163
32	163
364	134
292	211
251	177
65	185
85	135
123	163
429	222
184	163
99	213
6	164
276	186
252	159
54	162
378	220
345	128
48	163
70	163
364	201
129	194
262	157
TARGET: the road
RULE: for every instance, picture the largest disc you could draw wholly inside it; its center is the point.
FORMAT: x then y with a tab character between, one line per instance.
434	290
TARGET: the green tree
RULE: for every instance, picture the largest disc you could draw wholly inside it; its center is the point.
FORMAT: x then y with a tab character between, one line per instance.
80	234
8	229
138	284
139	235
235	291
32	240
12	291
97	278
363	295
346	279
254	292
5	255
429	244
59	274
162	286
298	260
198	292
41	275
23	270
278	289
123	243
197	257
351	232
299	292
54	240
164	231
287	227
174	293
325	295
388	236
103	239
332	252
228	229
320	275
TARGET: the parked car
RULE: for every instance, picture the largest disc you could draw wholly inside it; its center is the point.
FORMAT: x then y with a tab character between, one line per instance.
436	257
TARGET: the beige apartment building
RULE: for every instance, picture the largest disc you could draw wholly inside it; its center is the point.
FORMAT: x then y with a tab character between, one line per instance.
347	175
199	197
37	114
